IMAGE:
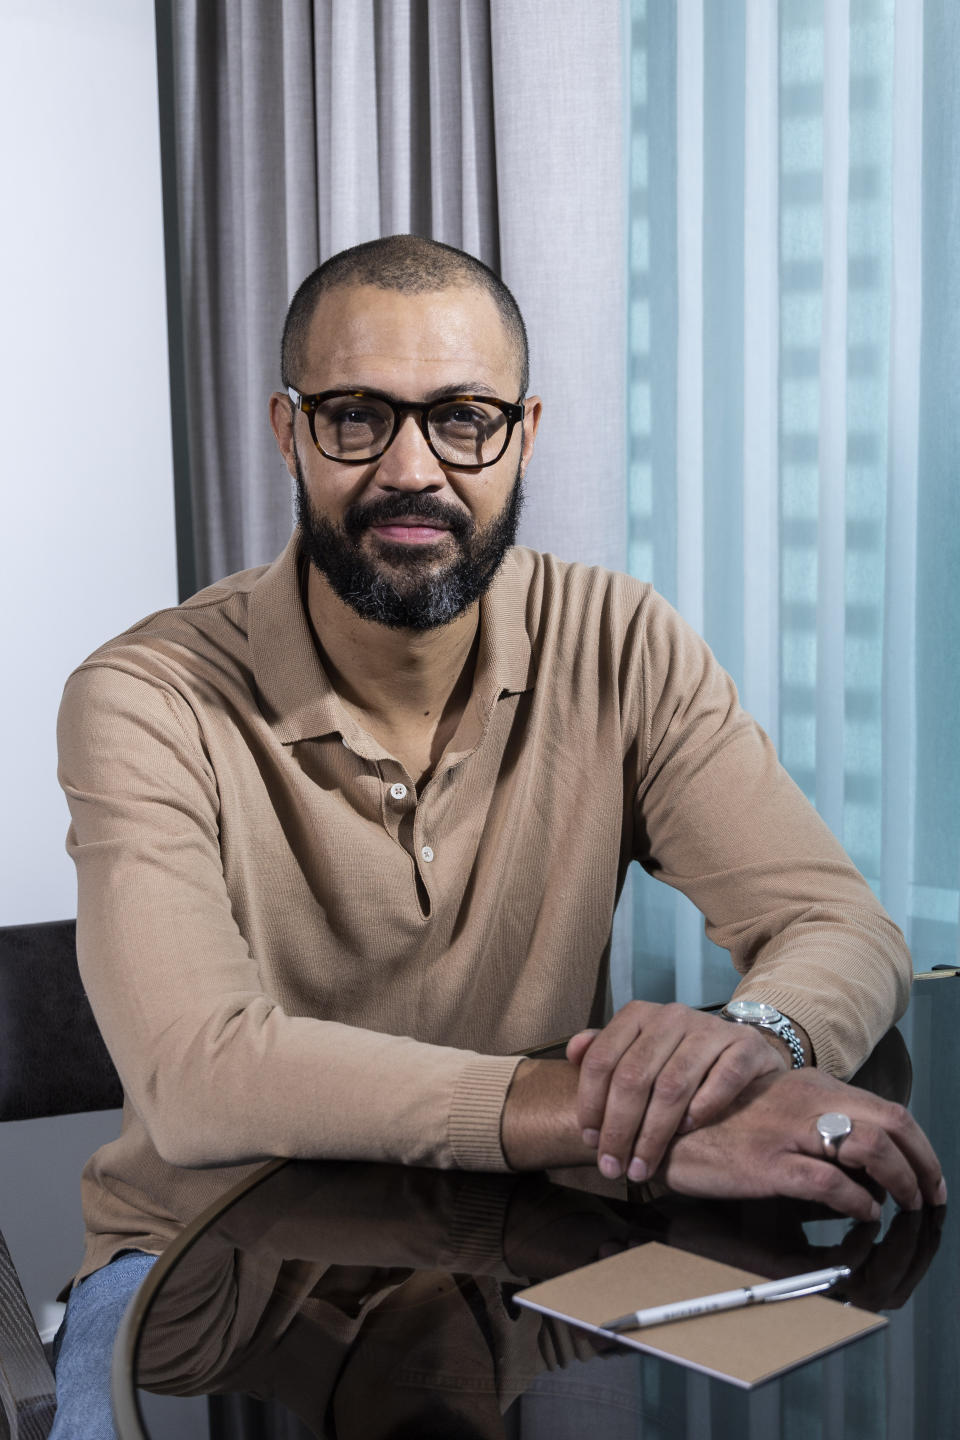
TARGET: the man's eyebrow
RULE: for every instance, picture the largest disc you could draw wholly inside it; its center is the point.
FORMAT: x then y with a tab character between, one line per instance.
462	387
443	392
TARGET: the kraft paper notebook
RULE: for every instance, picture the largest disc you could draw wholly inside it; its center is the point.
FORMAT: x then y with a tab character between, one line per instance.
744	1346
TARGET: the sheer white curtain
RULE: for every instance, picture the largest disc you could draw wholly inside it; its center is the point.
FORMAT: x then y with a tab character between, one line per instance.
794	336
794	438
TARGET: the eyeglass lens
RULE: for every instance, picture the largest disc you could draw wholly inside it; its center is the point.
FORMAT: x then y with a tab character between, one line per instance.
461	432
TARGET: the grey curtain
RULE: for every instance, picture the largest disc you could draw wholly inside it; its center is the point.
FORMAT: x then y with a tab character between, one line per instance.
296	128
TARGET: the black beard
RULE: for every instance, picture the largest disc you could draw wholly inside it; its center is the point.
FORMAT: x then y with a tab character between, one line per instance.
402	587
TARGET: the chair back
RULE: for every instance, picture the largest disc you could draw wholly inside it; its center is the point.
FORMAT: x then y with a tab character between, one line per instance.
52	1062
52	1058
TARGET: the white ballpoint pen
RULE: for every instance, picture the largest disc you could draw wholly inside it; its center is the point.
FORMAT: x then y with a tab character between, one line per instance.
790	1288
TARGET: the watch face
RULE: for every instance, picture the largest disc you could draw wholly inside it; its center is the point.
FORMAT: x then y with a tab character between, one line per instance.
754	1012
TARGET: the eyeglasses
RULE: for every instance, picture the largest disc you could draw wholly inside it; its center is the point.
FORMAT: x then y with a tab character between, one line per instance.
354	426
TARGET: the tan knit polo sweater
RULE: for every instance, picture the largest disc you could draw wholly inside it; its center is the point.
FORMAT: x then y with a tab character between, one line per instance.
291	952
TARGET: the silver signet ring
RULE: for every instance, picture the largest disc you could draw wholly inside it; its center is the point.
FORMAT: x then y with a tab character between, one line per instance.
833	1129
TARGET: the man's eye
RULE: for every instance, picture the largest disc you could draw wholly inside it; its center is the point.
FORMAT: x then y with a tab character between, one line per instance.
464	418
357	415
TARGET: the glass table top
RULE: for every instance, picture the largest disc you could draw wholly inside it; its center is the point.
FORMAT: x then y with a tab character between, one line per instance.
355	1300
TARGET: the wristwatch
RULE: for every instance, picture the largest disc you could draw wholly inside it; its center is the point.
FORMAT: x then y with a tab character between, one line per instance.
755	1012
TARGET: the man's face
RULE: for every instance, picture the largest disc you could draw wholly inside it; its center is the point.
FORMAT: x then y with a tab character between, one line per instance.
405	540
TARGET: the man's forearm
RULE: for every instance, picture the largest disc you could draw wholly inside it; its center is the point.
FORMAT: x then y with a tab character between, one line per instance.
539	1128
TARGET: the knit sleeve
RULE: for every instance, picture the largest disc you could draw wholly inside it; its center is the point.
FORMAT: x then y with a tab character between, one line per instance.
213	1067
717	817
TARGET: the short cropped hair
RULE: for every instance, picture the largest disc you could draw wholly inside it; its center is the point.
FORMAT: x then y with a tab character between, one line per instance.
411	265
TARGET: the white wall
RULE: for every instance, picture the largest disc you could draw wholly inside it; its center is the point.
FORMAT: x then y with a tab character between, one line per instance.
86	504
86	489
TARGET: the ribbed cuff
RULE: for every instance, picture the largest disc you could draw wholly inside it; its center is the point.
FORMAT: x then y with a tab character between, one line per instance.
476	1111
476	1232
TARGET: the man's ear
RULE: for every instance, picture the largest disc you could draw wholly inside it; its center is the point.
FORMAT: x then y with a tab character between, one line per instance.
282	417
532	410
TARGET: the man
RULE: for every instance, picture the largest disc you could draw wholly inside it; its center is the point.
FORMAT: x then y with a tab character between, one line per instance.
350	829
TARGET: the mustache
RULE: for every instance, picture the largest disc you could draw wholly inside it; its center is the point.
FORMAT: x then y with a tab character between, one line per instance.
358	517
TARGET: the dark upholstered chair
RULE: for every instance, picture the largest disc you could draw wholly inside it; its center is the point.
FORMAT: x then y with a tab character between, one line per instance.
52	1062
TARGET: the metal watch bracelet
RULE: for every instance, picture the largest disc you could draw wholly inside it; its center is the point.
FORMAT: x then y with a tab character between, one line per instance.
766	1017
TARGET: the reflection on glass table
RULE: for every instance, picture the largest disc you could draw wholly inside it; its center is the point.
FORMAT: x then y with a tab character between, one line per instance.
373	1301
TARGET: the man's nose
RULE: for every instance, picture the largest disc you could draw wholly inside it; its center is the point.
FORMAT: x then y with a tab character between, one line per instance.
408	463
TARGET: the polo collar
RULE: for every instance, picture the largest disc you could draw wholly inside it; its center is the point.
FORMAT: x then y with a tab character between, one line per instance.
296	695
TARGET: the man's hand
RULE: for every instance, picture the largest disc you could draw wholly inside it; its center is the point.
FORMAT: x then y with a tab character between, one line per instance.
657	1070
768	1144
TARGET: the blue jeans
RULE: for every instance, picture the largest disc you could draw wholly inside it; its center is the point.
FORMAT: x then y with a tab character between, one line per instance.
83	1349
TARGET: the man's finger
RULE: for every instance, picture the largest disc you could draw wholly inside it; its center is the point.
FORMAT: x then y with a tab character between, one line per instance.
868	1147
579	1044
679	1080
889	1145
602	1056
913	1143
804	1178
641	1072
735	1067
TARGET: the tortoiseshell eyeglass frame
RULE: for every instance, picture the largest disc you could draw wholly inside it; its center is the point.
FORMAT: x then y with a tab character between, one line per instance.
513	414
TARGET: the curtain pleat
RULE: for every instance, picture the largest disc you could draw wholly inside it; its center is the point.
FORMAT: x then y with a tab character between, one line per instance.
346	101
936	877
690	354
761	370
832	417
300	232
445	120
690	186
652	402
898	782
559	127
403	120
724	282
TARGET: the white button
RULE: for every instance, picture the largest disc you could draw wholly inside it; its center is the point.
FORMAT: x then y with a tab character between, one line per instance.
344	741
398	791
426	853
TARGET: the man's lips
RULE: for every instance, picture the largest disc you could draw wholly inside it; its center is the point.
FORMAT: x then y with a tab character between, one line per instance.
410	532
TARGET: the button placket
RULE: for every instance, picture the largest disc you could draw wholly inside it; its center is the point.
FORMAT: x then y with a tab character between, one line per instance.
398	800
423	851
